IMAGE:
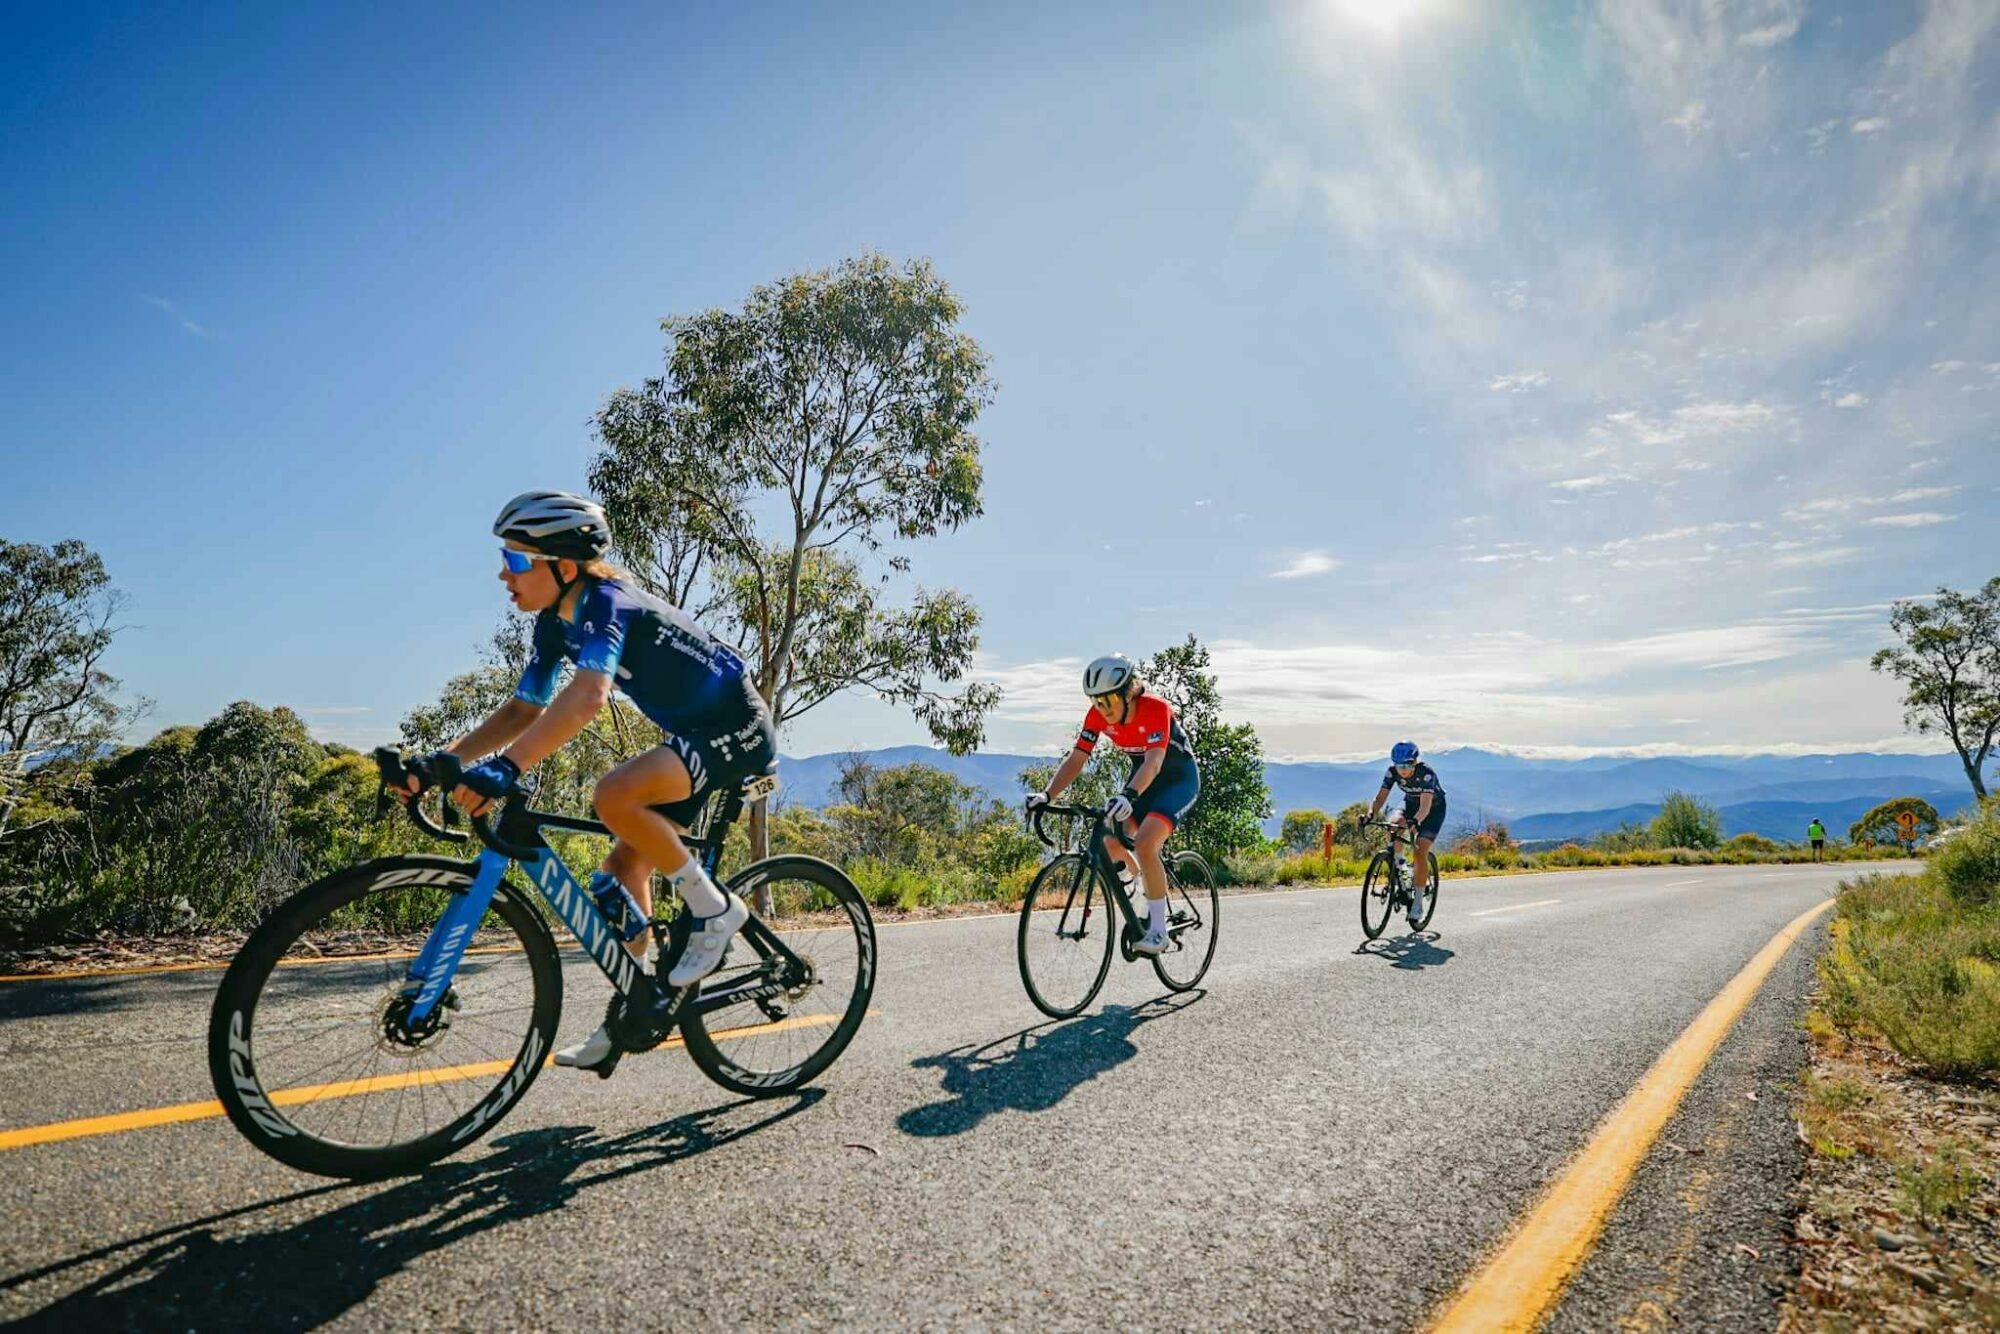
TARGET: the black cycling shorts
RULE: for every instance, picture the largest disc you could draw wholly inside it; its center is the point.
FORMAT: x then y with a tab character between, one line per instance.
719	756
1171	796
1433	824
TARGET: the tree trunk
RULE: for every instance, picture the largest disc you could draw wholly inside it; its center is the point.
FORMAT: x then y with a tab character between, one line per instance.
1972	772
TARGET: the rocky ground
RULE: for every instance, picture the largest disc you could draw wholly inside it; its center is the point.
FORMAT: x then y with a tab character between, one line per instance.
1899	1222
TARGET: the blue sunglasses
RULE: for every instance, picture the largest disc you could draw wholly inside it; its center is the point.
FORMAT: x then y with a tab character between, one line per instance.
520	562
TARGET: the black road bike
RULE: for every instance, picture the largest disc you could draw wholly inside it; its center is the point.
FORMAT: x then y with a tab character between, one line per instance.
338	1050
1068	924
1389	884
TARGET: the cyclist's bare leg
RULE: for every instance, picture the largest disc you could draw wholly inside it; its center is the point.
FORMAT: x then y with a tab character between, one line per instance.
1153	836
636	874
624	799
1122	855
1423	861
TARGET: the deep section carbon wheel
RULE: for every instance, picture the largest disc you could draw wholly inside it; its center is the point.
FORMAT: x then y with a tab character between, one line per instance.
1430	899
1068	926
310	1043
1194	917
778	1044
1378	895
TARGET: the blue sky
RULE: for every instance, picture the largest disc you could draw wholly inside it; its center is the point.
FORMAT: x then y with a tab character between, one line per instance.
1551	376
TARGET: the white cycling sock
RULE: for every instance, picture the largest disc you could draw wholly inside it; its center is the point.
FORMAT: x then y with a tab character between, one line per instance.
1156	913
697	890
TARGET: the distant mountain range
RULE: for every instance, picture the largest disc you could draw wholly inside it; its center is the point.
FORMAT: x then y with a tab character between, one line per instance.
1541	799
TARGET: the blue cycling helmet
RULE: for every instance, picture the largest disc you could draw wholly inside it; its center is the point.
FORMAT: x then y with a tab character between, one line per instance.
1404	752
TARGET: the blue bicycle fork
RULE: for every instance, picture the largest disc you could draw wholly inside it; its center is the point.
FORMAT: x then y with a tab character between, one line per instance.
437	963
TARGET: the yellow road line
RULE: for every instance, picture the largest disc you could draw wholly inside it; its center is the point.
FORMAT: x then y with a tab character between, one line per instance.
120	1122
1520	1284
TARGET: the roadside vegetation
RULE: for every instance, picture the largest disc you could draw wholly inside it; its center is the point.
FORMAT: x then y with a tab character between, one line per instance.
1900	1105
1916	959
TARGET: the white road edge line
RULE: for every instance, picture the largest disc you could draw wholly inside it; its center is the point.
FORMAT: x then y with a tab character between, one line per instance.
1514	907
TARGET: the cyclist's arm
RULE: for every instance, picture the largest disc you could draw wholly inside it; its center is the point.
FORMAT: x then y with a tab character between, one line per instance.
1067	771
1424	800
1375	811
1149	769
502	726
568	714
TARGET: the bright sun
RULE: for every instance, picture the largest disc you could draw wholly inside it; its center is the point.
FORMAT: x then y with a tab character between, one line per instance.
1381	17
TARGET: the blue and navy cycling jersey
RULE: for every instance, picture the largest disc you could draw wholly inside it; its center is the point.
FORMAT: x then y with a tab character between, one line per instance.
1423	779
677	673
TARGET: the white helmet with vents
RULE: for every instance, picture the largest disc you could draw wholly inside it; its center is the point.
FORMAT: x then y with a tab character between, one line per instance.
555	523
1109	675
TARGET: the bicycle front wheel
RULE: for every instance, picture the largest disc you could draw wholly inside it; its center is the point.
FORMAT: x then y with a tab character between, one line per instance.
1430	899
1194	917
1068	925
1378	895
778	1044
309	1047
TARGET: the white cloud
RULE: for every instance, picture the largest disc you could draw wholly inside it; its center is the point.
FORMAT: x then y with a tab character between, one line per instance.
1868	125
1691	120
1584	483
1920	520
1770	35
173	312
1518	383
1309	563
1821	556
1851	399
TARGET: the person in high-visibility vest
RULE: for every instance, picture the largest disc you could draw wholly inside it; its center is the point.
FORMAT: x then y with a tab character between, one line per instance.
1816	833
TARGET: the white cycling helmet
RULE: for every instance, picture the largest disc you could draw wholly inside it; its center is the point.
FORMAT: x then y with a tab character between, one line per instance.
555	523
1109	674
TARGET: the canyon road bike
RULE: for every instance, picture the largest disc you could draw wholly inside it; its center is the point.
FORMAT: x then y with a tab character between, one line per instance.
337	1049
1076	909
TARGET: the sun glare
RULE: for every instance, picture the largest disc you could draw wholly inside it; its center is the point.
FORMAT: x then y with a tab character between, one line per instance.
1384	18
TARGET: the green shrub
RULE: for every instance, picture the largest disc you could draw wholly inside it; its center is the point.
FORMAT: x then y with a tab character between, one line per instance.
1627	837
1968	865
1248	868
1912	963
1754	843
1686	821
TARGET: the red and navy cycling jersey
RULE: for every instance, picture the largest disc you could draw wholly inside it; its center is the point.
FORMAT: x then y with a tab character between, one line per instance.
1150	724
1423	779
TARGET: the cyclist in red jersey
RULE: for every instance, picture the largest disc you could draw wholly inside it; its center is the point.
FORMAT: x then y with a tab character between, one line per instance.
1159	792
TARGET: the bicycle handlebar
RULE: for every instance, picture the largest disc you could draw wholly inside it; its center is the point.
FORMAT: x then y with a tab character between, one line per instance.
1094	813
441	772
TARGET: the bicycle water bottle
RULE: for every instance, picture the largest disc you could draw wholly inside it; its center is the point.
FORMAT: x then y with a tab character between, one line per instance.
618	906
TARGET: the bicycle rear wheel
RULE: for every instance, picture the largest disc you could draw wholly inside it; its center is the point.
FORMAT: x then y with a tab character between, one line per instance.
1430	899
778	1044
1378	895
1194	918
309	1051
1068	926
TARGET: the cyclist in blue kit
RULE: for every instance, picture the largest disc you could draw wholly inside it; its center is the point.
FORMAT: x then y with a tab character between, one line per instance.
694	686
1423	807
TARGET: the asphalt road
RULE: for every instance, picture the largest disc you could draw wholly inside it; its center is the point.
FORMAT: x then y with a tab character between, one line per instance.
1319	1136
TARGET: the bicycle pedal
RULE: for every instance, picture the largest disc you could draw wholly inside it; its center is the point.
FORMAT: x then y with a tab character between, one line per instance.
605	1068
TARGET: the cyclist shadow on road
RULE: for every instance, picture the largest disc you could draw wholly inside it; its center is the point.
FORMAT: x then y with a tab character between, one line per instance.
303	1274
1413	952
1034	1069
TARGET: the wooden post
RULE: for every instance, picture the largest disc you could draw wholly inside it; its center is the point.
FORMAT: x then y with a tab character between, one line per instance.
1326	841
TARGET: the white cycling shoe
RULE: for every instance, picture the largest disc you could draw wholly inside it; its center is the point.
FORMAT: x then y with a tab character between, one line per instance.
708	942
1153	942
590	1052
1416	907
